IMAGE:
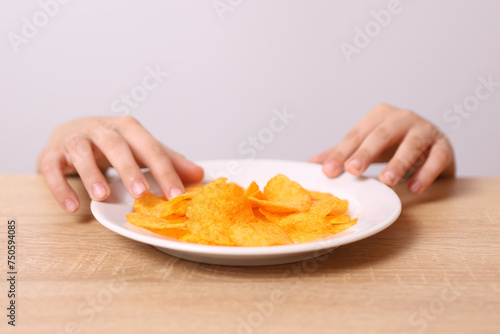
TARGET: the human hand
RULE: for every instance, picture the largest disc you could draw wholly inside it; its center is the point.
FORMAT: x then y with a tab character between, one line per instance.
88	146
399	137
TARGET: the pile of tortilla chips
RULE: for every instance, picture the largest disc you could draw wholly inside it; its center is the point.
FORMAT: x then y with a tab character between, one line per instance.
222	213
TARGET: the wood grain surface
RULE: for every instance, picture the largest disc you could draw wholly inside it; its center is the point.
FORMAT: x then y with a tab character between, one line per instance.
436	270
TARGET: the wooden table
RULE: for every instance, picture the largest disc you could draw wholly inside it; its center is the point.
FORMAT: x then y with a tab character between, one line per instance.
436	270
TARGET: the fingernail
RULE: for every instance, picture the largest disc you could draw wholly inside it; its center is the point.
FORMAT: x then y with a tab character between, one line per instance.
70	205
98	190
355	164
138	188
390	177
415	187
174	192
331	167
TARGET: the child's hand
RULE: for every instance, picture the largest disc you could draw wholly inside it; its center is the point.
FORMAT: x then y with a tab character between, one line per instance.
398	136
88	146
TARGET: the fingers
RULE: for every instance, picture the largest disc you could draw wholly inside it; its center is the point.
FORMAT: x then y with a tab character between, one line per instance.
334	164
79	149
440	158
400	136
380	139
414	145
117	151
152	153
51	166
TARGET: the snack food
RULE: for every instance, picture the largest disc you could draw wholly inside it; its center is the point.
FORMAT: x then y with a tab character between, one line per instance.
222	213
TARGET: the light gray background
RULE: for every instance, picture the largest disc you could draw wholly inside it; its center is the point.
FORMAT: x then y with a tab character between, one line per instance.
227	76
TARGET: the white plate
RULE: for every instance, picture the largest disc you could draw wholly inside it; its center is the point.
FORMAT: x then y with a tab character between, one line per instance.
375	205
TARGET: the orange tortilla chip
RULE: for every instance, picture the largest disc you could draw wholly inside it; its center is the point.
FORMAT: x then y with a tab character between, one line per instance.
341	208
244	234
195	188
271	206
340	219
342	227
182	209
167	208
271	232
216	208
146	204
252	188
281	190
324	205
174	233
273	217
194	238
142	220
